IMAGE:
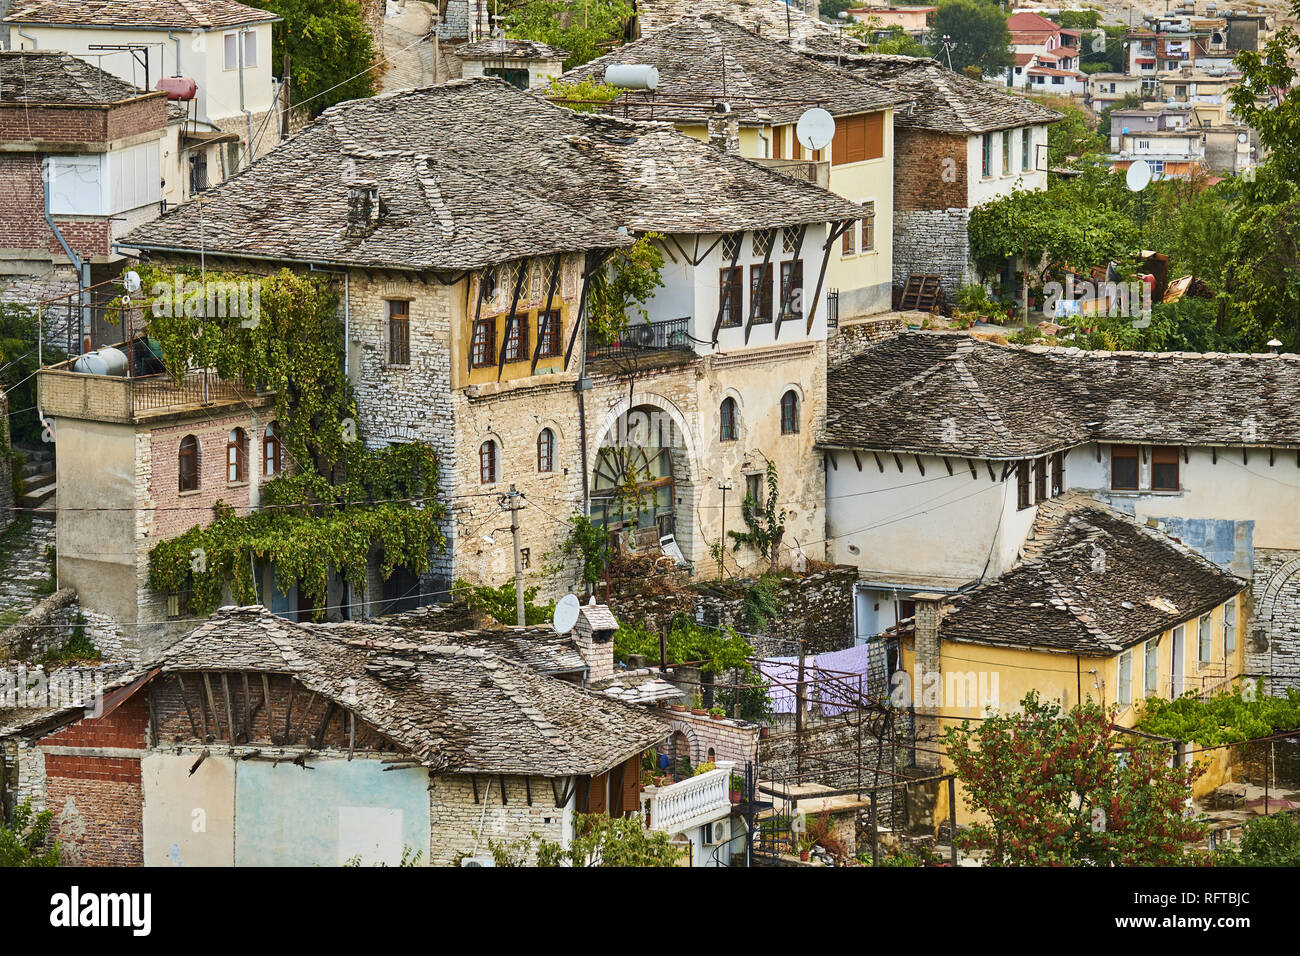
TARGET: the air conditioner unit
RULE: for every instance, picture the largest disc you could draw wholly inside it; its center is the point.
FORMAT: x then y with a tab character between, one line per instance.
478	861
717	832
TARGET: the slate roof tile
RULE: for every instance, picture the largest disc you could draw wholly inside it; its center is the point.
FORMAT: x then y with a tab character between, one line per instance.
142	14
45	76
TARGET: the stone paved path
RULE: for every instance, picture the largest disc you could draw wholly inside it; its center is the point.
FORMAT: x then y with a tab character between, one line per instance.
24	568
407	22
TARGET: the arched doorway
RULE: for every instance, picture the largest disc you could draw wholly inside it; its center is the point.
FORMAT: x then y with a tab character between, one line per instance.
635	478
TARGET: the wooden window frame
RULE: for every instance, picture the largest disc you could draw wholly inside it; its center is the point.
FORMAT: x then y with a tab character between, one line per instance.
1205	638
1229	627
188	453
986	156
487	463
1023	499
517	338
792	281
546	451
728	420
239	445
399	332
790	413
1164	455
549	334
1124	686
482	353
1006	152
272	452
1125	452
1040	479
868	226
1151	668
760	292
733	315
1058	474
1026	141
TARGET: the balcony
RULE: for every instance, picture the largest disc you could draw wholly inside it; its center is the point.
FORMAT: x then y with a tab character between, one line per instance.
125	399
643	338
689	803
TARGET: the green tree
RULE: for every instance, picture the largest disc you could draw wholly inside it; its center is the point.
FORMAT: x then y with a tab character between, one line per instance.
600	840
1073	139
588	544
585	29
979	36
24	839
1060	789
1266	841
1262	73
623	286
886	40
18	364
331	53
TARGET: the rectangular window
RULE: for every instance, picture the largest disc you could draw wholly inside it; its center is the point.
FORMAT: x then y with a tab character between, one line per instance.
1022	485
1123	467
858	138
754	488
1058	474
482	349
987	165
548	334
792	288
1204	640
849	241
517	338
1006	152
869	226
760	292
250	49
1040	479
1126	678
1151	668
731	286
1229	627
230	51
1025	135
399	333
1164	469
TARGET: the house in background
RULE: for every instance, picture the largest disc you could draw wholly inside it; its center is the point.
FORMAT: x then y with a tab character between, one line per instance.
717	76
1168	137
961	442
1105	89
914	21
521	63
957	144
217	51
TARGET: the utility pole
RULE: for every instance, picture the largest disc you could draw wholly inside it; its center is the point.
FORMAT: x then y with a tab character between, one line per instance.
724	486
514	502
800	689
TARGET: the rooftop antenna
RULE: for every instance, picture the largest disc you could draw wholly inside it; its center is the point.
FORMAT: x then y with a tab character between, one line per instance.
566	613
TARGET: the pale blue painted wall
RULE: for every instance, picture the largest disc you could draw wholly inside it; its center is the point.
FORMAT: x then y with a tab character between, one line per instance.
288	816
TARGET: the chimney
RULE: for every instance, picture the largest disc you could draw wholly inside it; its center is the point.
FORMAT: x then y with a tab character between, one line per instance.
363	208
594	635
927	677
724	129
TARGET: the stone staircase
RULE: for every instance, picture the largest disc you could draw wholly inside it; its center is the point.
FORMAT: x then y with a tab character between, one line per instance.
39	480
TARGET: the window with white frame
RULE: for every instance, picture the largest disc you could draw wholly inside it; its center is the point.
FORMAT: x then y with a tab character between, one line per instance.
1204	640
230	51
250	48
1151	667
1229	627
1126	677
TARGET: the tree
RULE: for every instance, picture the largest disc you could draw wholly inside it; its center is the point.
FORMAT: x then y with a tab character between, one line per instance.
878	38
1072	139
627	281
587	543
599	840
764	522
1266	841
23	841
978	33
1061	789
586	29
331	53
1255	101
18	364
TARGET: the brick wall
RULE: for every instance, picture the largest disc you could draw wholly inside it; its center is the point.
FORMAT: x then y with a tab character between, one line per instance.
97	799
929	170
729	739
89	125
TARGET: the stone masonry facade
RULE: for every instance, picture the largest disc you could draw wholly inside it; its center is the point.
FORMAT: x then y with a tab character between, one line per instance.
460	825
1273	644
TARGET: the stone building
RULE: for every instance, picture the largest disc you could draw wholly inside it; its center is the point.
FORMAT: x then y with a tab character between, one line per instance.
521	63
958	144
6	467
718	80
465	222
960	442
416	745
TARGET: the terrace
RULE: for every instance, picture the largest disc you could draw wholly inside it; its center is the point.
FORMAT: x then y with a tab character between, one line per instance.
668	339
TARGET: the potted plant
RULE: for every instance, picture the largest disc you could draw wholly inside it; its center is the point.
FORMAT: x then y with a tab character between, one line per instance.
717	713
697	706
735	788
677	706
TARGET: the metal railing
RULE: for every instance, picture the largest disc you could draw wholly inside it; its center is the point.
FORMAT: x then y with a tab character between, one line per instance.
661	336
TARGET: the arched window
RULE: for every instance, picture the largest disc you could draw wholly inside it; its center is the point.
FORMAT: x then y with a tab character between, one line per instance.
237	456
546	450
271	456
487	462
189	464
789	413
727	427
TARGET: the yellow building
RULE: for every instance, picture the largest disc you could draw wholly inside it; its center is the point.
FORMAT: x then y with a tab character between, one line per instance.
1098	607
745	93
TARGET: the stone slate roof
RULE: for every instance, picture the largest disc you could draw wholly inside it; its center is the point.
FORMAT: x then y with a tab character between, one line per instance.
702	59
458	709
945	102
643	686
475	172
1092	581
499	47
141	14
770	18
47	76
947	393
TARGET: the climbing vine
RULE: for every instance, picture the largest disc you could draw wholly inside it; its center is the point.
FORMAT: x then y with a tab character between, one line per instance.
342	503
623	286
764	522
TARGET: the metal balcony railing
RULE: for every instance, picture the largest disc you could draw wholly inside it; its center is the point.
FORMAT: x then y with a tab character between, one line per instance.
662	336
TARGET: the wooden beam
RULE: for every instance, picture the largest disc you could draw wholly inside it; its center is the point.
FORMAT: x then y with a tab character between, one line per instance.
270	708
528	789
899	462
473	782
288	710
856	460
830	456
511	317
879	464
785	299
1245	456
836	231
762	272
992	477
324	724
194	726
947	464
724	293
248	707
1214	456
971	463
230	709
212	703
550	298
920	467
502	778
352	733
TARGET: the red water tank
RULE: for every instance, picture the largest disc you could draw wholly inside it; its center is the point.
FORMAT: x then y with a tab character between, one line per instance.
178	87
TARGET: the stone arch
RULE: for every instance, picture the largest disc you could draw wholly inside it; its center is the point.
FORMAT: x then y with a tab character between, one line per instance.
1273	589
681	728
637	400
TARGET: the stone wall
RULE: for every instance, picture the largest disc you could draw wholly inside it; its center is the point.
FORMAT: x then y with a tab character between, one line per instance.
1277	761
735	740
6	467
460	825
852	339
1273	642
933	242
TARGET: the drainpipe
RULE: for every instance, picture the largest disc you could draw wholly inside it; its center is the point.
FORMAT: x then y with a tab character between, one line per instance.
82	268
177	40
242	108
26	37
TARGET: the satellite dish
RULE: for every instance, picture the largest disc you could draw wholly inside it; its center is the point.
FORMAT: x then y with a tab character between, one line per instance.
566	614
815	129
1138	176
1241	137
131	281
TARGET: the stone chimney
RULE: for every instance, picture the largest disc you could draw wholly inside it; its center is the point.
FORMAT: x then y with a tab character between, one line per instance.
594	636
930	609
724	129
363	208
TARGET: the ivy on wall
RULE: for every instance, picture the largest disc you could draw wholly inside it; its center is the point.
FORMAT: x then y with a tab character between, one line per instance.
342	502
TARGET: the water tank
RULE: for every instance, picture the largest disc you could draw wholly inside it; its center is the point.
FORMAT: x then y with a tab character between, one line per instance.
105	361
178	87
632	76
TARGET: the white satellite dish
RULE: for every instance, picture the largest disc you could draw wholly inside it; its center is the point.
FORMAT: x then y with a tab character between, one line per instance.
815	129
1138	176
131	281
566	614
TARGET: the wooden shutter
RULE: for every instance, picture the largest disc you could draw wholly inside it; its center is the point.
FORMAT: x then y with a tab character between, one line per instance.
596	801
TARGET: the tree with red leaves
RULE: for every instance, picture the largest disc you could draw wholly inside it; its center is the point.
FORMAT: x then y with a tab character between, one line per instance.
1059	789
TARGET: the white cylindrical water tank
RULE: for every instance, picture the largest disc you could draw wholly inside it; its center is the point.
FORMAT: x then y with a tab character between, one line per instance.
105	361
632	76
